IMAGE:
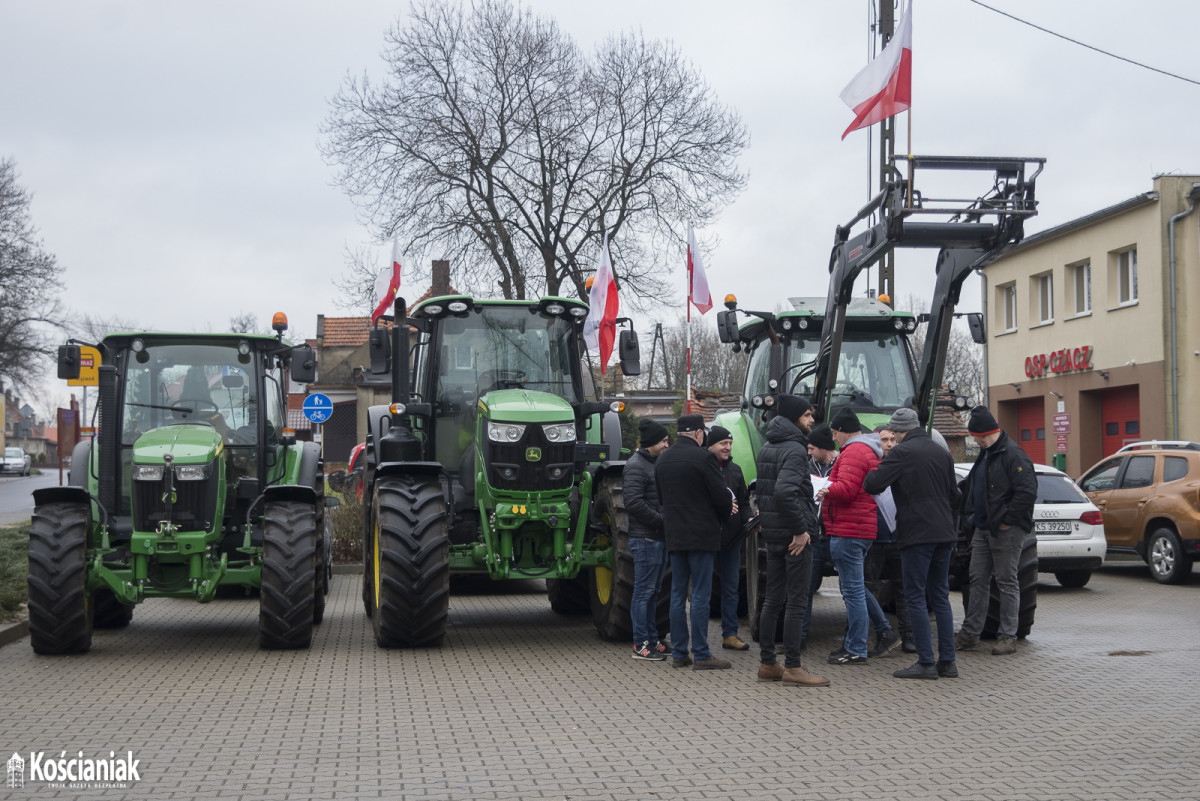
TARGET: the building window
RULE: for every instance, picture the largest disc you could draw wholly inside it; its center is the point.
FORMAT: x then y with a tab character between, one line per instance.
1127	288
1006	304
1080	276
1043	298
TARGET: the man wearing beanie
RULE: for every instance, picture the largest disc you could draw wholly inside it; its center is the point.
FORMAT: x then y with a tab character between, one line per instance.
850	519
921	475
789	523
647	543
729	558
999	494
696	504
822	450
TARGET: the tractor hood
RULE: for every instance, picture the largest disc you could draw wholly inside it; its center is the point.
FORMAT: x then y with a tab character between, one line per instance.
187	444
525	406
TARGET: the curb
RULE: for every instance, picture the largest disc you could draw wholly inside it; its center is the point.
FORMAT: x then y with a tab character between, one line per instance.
350	569
11	632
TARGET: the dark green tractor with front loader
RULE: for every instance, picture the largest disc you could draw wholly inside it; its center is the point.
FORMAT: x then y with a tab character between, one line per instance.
494	458
192	485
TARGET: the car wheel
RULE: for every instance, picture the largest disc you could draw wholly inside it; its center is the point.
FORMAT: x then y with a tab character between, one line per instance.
1073	578
1164	553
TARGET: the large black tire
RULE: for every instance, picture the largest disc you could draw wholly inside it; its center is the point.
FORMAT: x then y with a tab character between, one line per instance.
1073	578
60	609
570	596
286	601
324	569
1027	575
1166	558
109	613
409	595
611	590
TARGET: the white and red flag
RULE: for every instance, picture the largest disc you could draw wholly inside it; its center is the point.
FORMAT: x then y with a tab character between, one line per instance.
387	284
698	292
884	87
600	327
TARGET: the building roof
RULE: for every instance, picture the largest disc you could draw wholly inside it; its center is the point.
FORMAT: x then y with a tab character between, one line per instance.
1082	222
340	332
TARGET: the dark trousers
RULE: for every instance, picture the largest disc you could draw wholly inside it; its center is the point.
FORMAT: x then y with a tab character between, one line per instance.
787	594
927	576
883	564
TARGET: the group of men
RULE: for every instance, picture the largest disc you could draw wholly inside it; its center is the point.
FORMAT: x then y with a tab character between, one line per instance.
886	505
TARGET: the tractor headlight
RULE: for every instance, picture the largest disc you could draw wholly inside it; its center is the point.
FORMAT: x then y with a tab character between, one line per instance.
559	432
147	472
505	432
191	472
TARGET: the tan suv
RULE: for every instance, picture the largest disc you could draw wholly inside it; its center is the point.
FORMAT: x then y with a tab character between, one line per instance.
1149	495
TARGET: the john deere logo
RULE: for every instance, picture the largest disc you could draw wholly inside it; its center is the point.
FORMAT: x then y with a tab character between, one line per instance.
533	454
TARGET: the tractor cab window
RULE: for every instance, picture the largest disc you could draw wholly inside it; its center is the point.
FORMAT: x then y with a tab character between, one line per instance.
874	373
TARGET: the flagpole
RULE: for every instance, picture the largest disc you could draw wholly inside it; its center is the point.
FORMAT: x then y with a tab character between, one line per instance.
910	158
687	398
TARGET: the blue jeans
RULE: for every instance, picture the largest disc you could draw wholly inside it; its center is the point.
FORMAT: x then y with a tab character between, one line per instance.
927	576
649	565
729	564
820	555
693	568
995	557
848	554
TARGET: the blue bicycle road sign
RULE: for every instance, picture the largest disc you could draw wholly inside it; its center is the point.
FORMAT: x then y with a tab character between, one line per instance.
318	408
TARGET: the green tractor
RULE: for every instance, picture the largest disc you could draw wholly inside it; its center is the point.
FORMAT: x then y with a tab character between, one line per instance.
492	459
193	484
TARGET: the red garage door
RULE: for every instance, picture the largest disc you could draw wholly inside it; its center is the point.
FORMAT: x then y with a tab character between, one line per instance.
1031	428
1120	417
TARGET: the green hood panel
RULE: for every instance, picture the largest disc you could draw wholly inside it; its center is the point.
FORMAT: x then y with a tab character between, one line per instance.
525	406
188	444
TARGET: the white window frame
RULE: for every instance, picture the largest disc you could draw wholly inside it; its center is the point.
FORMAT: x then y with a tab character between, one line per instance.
1127	283
1081	287
1008	306
1043	300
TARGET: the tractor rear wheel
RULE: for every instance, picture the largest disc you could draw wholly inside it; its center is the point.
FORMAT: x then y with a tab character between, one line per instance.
109	612
1027	576
60	609
285	606
409	562
570	596
610	589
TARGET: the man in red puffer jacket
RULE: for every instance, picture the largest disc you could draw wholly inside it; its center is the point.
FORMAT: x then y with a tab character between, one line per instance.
850	518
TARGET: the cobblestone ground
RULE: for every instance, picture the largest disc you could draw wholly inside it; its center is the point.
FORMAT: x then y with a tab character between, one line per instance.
521	703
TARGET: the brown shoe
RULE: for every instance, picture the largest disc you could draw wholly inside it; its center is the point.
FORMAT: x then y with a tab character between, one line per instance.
681	663
1005	646
712	663
799	677
735	643
771	672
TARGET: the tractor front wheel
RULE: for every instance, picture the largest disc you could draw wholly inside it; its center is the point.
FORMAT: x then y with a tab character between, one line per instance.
60	609
289	581
409	562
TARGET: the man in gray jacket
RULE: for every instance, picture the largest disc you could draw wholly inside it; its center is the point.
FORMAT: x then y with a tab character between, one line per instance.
647	544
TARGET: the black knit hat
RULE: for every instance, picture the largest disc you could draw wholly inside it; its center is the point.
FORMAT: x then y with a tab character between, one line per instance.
822	437
846	422
689	423
792	407
651	432
717	434
982	423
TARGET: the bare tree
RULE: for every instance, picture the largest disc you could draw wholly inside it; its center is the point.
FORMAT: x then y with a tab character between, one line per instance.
714	366
964	358
91	328
496	143
244	323
30	290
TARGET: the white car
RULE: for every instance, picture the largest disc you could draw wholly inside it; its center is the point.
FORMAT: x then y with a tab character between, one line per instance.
15	461
1069	528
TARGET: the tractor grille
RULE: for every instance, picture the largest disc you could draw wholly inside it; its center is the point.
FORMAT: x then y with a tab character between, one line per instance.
194	508
509	468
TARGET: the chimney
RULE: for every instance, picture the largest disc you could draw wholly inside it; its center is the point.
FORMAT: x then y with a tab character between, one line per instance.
441	277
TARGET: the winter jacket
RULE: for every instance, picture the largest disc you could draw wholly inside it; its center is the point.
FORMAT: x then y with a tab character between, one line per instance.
641	496
695	501
735	526
1011	485
921	475
784	485
847	510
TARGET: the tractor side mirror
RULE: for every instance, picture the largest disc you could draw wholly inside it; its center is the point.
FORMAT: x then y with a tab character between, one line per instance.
380	344
975	323
68	362
727	327
304	364
629	353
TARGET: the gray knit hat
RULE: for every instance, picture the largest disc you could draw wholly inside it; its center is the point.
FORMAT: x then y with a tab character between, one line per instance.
903	420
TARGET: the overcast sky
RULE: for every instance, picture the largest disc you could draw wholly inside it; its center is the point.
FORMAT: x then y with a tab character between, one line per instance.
171	148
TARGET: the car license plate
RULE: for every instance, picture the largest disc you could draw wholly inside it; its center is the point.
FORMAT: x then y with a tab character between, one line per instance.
1051	526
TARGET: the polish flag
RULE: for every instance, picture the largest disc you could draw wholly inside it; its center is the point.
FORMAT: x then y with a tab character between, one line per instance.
698	292
387	284
884	87
600	327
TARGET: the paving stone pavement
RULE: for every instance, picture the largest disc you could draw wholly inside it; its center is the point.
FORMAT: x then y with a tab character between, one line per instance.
521	703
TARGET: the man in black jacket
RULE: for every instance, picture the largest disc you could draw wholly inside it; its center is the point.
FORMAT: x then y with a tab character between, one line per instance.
999	494
921	475
647	543
696	504
729	558
788	513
